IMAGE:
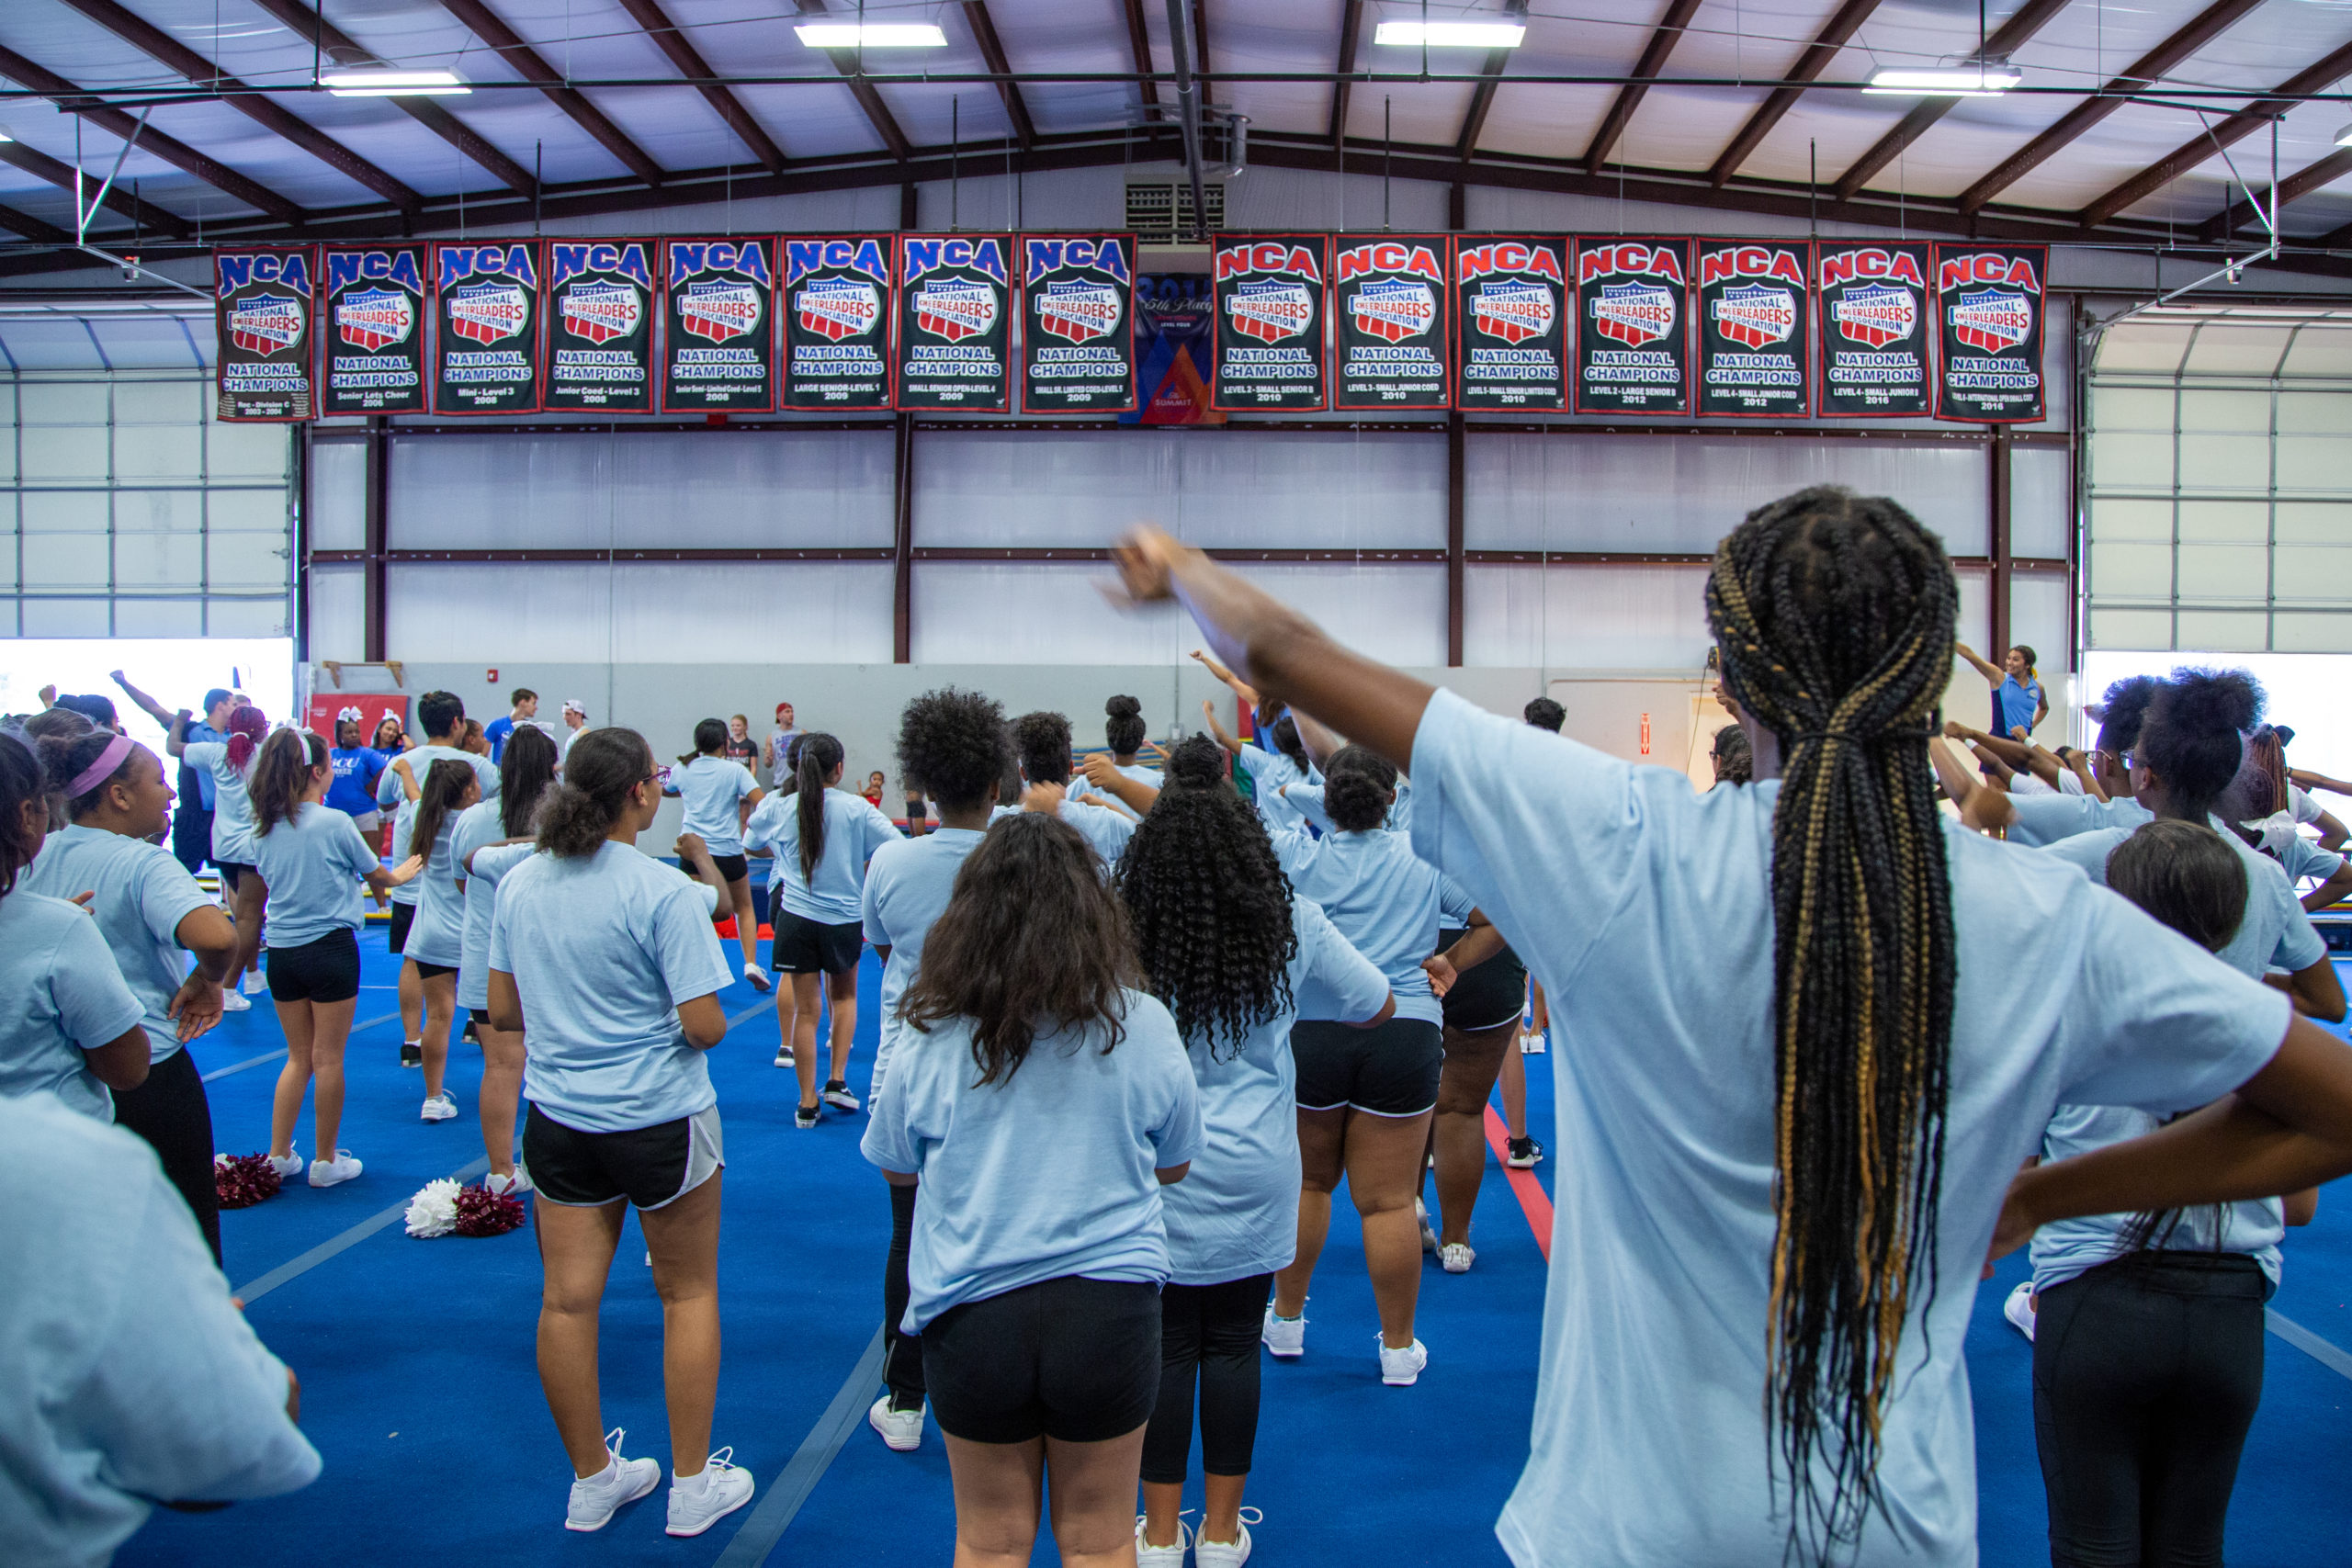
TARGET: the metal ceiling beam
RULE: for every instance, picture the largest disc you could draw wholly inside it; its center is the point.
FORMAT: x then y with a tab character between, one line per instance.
1350	31
1667	33
33	228
2011	35
671	41
1815	60
487	26
309	26
1024	130
2293	188
2151	67
2209	143
61	174
266	112
1140	42
1482	101
115	123
878	113
1200	9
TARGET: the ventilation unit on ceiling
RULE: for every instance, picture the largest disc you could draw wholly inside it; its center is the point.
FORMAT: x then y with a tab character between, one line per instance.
1160	211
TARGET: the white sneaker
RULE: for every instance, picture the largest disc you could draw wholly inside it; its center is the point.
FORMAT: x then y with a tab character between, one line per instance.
1456	1256
330	1172
440	1108
1208	1553
700	1501
233	1001
1421	1217
1285	1337
594	1500
508	1186
1532	1042
2019	1309
784	1056
759	978
291	1167
1150	1556
255	983
902	1429
1402	1369
839	1097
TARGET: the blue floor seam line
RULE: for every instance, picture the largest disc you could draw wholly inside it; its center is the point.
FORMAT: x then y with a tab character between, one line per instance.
2324	1351
295	1268
775	1513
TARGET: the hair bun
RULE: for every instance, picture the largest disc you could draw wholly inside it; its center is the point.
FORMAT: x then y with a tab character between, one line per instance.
1123	707
1196	760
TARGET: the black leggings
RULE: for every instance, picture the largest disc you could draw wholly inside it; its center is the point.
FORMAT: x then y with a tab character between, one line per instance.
902	1353
2147	1374
1211	1329
170	1112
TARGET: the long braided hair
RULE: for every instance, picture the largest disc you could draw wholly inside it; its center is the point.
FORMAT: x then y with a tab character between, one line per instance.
1834	616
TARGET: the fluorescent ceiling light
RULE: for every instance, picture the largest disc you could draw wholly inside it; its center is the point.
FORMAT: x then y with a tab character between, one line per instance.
380	82
2343	136
871	35
1986	81
6	137
1451	35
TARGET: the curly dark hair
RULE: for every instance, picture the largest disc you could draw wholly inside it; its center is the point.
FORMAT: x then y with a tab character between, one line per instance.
1123	726
1210	906
2121	710
1042	741
1545	714
1358	789
1031	938
2193	739
952	746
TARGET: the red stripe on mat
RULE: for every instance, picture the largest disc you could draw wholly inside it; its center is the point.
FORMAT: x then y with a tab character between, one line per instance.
1533	1202
726	930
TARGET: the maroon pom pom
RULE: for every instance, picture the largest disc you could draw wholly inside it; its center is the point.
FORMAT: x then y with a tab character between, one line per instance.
482	1211
241	1181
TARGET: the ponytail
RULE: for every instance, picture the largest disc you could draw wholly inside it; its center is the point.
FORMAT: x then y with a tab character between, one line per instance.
819	754
524	774
247	730
282	774
1284	733
710	736
605	766
445	785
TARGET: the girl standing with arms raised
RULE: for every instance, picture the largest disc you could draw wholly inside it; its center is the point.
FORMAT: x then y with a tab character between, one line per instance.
313	859
1786	1149
492	838
822	837
715	786
149	909
605	961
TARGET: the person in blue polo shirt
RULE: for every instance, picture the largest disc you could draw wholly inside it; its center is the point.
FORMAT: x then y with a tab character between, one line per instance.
2019	701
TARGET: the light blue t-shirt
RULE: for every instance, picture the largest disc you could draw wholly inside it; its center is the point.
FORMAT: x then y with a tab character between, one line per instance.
479	826
603	949
1080	789
712	789
437	935
1105	831
1050	1171
390	793
1308	799
313	866
232	805
126	1372
907	886
1269	770
1646	909
142	896
1235	1213
64	996
2017	702
853	830
1384	901
2044	820
2275	932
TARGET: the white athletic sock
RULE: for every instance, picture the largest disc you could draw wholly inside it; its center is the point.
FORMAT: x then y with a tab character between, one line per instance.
698	1481
607	1476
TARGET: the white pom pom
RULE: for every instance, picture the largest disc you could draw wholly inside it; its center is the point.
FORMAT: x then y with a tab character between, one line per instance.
433	1211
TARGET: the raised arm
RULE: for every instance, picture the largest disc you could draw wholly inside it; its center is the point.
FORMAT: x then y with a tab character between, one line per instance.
1208	711
1981	807
1280	651
1248	693
141	700
2310	780
2080	766
2013	754
1994	674
2043	763
1134	795
176	742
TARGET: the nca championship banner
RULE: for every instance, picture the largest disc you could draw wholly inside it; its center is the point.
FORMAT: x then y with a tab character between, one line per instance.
719	325
1270	301
1076	354
954	348
1632	326
486	318
1510	296
600	325
1875	314
1988	315
262	310
837	321
1175	331
1391	347
1755	317
371	330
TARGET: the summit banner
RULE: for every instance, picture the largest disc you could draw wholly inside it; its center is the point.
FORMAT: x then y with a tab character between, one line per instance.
1632	326
1754	324
1078	349
955	348
371	330
1875	332
263	311
1391	345
837	320
1270	295
600	325
1510	298
718	322
1988	317
486	310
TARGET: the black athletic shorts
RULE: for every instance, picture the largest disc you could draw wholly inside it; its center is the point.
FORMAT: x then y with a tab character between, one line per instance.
1389	1070
232	873
327	970
1485	996
481	1017
732	868
809	947
1072	1358
649	1167
404	917
431	971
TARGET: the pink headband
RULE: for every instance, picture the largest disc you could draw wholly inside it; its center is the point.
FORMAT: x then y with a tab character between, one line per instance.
98	772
